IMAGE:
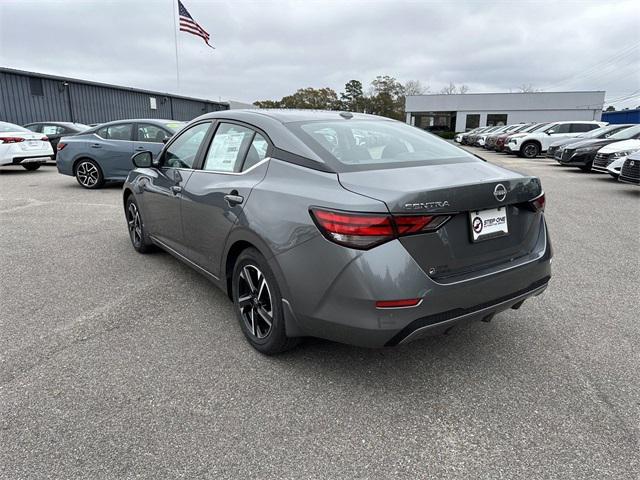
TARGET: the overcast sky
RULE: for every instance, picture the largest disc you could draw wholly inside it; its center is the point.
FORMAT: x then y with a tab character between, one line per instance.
265	50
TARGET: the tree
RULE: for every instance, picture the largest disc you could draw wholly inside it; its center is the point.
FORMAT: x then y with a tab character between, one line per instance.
353	99
610	108
386	97
524	88
267	104
309	98
415	87
452	89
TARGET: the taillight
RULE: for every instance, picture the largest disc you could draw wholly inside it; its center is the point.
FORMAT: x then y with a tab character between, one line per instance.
538	203
45	139
61	146
364	231
11	139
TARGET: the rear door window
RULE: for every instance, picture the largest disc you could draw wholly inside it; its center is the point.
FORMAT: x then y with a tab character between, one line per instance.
582	127
121	131
228	148
151	133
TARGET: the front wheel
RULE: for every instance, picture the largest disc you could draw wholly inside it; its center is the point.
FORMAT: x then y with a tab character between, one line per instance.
530	150
586	168
31	166
135	225
258	304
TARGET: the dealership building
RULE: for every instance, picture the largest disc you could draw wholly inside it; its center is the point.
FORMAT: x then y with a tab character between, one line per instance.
27	97
461	112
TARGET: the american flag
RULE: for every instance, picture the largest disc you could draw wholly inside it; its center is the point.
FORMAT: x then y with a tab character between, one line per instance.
189	25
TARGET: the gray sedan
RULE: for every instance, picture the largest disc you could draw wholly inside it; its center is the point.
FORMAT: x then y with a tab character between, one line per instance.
344	226
103	153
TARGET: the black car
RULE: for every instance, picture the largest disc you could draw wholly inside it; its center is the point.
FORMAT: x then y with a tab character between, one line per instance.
56	130
581	154
598	133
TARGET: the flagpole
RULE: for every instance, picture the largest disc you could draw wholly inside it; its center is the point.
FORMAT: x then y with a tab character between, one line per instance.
175	36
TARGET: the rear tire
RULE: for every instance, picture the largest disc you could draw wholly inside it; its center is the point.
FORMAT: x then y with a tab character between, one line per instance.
31	166
89	174
135	225
258	304
586	168
530	150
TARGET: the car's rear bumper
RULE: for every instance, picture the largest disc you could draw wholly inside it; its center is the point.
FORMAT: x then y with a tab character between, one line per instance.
335	299
25	159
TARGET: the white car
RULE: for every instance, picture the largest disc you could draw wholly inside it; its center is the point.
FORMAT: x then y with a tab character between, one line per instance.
532	144
615	166
19	146
613	153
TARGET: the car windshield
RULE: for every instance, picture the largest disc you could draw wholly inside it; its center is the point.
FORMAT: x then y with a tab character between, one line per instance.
81	126
626	134
522	128
371	144
10	127
174	126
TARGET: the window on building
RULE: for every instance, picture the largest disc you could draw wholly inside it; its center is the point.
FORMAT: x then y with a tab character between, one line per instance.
496	119
35	85
436	121
473	121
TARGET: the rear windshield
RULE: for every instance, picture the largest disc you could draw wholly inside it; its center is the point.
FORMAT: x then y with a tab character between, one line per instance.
626	134
351	145
174	126
10	127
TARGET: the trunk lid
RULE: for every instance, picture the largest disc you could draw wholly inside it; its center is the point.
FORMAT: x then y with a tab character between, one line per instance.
456	190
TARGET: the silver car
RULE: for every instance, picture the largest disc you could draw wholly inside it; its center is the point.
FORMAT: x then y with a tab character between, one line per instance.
349	227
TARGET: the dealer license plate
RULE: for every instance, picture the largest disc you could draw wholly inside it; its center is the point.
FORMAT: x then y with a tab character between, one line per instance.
486	224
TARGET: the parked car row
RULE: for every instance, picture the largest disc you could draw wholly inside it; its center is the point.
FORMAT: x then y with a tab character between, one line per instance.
587	145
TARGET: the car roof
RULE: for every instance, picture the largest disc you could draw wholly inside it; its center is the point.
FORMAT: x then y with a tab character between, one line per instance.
293	115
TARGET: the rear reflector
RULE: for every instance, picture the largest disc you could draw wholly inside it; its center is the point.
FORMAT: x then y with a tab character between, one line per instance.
364	231
412	302
11	139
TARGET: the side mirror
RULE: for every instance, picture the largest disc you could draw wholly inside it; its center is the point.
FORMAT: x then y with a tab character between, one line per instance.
549	132
165	139
143	159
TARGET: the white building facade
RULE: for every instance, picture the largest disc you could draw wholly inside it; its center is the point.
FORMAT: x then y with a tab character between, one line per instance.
462	112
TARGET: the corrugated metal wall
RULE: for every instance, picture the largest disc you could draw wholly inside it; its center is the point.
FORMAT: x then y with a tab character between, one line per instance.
88	103
623	116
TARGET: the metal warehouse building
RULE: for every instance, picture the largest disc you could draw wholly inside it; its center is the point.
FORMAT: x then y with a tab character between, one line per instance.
33	97
462	112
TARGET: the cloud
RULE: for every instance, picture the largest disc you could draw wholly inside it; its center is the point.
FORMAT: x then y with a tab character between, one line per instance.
270	49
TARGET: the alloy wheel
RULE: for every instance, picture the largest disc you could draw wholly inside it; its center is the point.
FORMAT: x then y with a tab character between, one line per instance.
134	224
87	174
530	151
255	302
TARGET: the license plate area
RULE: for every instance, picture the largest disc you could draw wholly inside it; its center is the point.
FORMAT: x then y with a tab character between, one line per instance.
488	224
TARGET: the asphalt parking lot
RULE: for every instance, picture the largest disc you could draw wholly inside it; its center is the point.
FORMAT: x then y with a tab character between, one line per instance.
120	365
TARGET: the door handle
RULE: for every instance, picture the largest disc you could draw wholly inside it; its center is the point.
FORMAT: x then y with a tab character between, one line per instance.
233	200
96	145
139	149
176	189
